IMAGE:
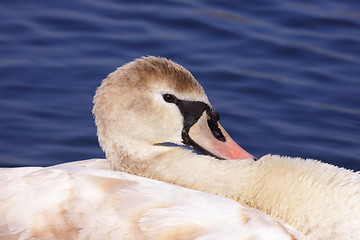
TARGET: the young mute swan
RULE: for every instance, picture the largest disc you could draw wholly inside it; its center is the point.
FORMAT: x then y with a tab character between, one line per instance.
89	200
152	101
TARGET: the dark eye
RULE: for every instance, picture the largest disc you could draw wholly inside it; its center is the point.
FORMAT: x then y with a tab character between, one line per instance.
169	98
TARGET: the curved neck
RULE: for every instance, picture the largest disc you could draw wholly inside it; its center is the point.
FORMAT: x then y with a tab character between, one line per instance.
297	192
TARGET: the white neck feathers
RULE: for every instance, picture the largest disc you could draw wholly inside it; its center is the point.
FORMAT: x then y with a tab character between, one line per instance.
302	193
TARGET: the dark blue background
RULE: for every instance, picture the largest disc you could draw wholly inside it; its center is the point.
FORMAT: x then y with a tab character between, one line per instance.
284	75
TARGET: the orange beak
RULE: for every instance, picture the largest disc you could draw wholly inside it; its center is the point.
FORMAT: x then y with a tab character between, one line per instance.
203	136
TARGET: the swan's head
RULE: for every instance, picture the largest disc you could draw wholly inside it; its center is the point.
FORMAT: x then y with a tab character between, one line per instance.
151	101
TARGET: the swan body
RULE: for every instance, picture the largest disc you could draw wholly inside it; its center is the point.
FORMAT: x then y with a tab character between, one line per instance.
152	100
88	200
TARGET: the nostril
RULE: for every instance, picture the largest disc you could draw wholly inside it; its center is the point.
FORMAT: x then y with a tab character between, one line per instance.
216	131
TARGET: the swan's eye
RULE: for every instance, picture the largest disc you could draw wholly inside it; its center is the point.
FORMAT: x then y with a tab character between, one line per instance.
169	98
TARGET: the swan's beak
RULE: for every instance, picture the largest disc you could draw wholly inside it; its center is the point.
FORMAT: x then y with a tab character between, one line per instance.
209	137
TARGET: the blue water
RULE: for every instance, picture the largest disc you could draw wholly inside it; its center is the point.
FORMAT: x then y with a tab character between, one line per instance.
284	75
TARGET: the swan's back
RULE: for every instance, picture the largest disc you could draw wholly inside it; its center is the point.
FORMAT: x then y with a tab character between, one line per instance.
84	200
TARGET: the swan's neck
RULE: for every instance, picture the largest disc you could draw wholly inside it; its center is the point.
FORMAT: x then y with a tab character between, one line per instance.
167	163
297	192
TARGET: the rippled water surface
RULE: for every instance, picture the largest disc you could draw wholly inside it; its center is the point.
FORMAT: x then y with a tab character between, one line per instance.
284	75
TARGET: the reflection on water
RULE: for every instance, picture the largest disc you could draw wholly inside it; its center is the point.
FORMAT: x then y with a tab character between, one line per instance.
283	75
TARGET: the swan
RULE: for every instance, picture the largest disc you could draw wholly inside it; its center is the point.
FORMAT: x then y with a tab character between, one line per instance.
150	102
146	112
88	200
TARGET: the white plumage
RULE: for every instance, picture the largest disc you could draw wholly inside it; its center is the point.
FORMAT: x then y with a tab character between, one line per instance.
87	200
